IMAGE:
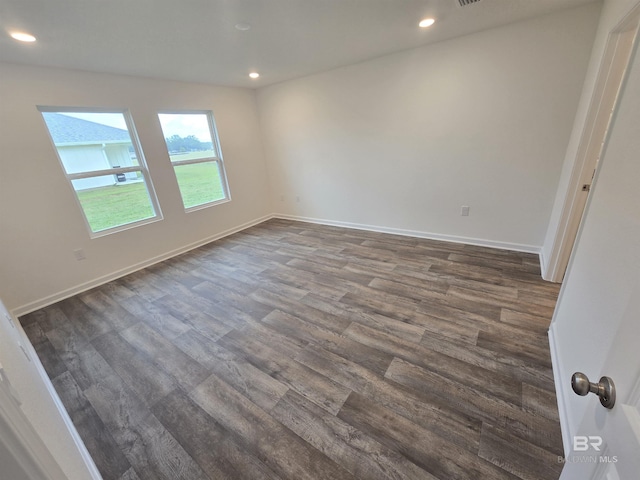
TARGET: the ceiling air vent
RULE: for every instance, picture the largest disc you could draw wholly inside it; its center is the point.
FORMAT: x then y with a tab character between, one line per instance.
464	3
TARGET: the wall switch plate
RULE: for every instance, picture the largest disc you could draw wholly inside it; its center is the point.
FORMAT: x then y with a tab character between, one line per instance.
79	254
464	211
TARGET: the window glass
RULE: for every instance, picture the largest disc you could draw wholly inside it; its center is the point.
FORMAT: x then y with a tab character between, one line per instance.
104	166
199	183
194	152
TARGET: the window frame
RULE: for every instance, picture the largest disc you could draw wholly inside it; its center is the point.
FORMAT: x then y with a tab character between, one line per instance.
141	167
215	141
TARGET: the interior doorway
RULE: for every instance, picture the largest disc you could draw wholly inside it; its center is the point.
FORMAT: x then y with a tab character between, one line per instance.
610	79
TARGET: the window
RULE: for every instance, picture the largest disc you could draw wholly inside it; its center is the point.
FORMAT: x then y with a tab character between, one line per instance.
100	155
194	150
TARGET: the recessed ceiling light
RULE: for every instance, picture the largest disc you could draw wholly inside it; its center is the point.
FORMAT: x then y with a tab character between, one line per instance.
22	37
427	22
242	26
254	74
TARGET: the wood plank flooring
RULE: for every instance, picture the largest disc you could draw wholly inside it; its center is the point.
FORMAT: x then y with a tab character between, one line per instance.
298	351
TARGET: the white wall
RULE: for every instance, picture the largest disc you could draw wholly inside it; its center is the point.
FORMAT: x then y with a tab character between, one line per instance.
404	140
41	224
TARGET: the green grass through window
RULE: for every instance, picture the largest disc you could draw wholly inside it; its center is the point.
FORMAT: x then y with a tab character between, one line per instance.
199	183
108	207
113	206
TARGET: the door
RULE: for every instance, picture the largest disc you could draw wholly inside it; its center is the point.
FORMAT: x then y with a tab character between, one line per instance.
605	96
37	439
596	326
607	442
22	453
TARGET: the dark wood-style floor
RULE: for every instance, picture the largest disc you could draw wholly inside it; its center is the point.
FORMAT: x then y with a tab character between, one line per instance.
299	351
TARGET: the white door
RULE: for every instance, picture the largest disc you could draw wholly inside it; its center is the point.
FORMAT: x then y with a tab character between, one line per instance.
37	439
596	327
609	82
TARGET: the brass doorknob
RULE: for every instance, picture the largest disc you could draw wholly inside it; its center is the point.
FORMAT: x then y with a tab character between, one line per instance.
605	389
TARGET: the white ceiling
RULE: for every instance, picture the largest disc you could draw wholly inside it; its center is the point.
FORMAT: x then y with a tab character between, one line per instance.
195	40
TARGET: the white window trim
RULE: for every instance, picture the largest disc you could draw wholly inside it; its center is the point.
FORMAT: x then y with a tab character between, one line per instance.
215	140
141	167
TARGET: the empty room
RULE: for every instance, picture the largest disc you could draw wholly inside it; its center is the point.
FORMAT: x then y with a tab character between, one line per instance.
337	239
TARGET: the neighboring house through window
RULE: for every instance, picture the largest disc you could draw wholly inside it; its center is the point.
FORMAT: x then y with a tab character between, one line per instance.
103	162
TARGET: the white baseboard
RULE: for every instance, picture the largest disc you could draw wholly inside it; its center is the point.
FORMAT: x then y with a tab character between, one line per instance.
548	269
559	382
518	247
70	292
543	264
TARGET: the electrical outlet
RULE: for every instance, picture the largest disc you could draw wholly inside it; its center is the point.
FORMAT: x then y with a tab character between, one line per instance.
282	198
79	254
464	211
297	199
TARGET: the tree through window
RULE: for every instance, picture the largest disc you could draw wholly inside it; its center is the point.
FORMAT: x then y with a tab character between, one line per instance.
194	150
